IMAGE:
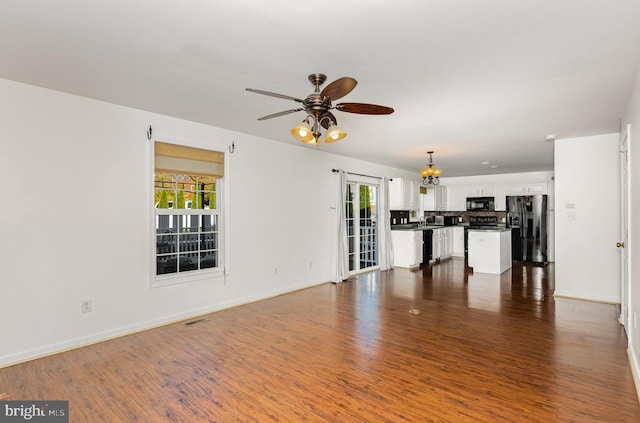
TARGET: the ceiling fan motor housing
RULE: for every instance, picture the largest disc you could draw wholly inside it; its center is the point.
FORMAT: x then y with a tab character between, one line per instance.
316	106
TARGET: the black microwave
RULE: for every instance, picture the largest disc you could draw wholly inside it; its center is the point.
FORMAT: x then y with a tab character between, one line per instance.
480	204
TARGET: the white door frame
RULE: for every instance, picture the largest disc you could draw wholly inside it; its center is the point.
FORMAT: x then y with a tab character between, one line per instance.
375	182
623	243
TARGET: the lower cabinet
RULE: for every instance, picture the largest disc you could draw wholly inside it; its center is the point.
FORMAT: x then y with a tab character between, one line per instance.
442	243
436	246
407	248
458	241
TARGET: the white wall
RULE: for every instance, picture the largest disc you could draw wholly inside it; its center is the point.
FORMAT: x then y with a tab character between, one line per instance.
75	220
632	117
587	207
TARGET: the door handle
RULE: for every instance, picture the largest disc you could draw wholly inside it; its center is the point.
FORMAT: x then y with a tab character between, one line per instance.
620	244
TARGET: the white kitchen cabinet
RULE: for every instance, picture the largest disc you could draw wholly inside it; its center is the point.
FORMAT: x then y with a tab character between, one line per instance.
456	198
500	198
447	244
435	199
442	243
436	244
527	188
407	248
458	241
481	190
404	194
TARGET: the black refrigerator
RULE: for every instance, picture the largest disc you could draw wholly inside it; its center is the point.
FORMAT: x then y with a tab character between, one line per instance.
527	218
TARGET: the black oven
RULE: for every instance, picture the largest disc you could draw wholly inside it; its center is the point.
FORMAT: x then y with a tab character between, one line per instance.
480	203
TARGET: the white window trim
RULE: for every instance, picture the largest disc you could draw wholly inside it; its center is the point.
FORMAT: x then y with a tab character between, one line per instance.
157	281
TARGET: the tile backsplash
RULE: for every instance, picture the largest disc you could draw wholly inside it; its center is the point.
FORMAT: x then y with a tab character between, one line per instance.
399	217
465	215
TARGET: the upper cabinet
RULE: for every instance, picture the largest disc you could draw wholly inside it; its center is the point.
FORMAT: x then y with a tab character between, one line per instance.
480	190
498	187
527	189
435	199
404	194
500	198
456	198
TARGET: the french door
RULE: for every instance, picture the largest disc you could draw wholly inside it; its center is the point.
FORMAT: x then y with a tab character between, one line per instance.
362	225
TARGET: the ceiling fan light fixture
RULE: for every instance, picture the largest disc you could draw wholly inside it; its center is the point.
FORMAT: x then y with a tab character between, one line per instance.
303	132
334	134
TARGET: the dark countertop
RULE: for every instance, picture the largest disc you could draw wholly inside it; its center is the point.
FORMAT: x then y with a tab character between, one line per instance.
413	227
487	229
417	227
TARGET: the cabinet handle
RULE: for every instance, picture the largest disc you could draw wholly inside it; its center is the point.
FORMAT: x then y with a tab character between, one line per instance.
620	244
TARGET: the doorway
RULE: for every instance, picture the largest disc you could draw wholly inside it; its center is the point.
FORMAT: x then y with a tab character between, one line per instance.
362	226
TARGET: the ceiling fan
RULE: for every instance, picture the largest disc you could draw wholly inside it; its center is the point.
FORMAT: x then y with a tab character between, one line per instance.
318	107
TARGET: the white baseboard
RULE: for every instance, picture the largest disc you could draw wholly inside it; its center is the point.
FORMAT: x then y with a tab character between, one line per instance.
593	300
635	370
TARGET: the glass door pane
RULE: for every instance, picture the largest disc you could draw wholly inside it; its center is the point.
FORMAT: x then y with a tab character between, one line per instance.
361	216
351	225
368	234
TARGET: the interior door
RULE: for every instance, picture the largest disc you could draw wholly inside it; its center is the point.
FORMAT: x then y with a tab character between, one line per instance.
625	289
362	226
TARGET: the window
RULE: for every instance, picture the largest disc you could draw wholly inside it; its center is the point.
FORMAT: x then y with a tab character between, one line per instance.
186	206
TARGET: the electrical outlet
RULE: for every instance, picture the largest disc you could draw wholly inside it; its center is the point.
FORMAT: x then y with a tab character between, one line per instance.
86	305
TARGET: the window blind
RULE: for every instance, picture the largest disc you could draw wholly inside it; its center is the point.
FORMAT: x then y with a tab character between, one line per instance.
172	158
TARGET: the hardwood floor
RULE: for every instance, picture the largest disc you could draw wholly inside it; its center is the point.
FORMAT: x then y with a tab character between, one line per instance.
485	348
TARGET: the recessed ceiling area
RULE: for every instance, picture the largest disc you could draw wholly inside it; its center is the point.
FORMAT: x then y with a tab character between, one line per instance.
471	81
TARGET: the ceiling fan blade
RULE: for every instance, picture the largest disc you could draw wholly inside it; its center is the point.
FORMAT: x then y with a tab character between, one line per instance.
286	97
339	88
364	109
286	112
327	122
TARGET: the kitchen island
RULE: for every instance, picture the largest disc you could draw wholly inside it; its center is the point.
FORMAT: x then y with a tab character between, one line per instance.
489	250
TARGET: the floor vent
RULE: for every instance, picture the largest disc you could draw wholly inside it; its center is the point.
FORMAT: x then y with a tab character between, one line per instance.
195	322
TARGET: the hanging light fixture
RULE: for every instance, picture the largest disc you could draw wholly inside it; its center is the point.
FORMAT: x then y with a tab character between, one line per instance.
303	131
334	134
311	133
430	175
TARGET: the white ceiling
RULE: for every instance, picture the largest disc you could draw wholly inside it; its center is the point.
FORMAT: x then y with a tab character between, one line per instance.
473	80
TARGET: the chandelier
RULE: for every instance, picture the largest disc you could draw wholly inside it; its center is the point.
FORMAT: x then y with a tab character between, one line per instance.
430	175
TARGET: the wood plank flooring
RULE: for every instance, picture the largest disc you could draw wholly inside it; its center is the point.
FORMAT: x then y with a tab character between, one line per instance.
485	348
